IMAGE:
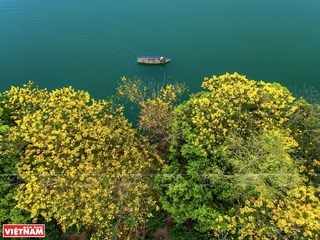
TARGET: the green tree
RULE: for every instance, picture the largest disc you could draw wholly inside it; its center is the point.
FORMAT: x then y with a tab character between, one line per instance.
230	144
83	165
9	179
305	127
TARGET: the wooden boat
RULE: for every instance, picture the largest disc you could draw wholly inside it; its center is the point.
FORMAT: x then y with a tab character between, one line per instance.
153	60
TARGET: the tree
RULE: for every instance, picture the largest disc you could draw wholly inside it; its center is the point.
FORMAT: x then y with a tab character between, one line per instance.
9	179
10	153
156	109
231	144
305	127
84	165
296	216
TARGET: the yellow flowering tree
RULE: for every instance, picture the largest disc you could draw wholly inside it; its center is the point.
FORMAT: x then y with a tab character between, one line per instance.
231	144
84	165
295	216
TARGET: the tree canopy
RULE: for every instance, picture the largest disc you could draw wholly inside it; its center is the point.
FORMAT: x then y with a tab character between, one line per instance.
232	145
83	162
238	160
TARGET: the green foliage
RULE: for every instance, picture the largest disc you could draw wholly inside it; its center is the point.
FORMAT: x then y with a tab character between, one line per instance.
231	144
157	221
83	163
52	229
9	179
305	126
182	232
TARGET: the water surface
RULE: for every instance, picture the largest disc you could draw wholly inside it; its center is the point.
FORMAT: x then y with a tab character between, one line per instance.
91	44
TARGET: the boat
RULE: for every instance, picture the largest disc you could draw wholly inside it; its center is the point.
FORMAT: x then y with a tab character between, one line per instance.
153	60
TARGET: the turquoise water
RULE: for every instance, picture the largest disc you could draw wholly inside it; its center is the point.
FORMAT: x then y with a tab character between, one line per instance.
91	44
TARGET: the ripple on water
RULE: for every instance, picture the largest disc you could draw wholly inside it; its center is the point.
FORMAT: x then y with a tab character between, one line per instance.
7	14
114	58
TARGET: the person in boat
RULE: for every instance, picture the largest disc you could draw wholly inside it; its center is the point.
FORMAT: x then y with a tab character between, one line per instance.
162	59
